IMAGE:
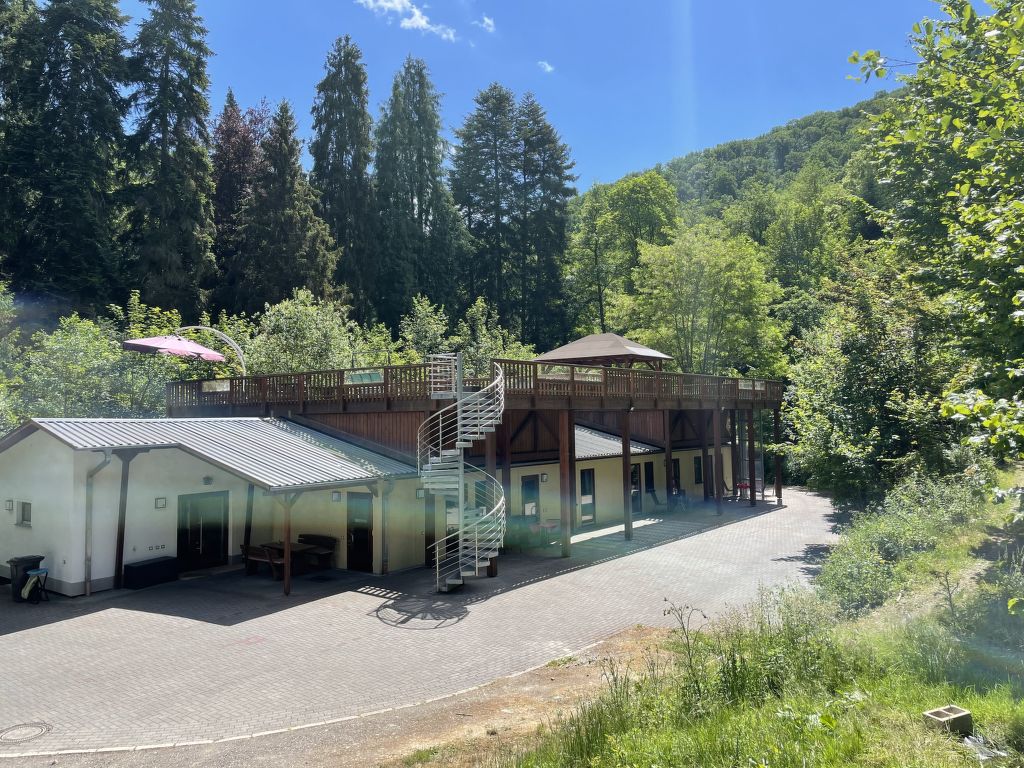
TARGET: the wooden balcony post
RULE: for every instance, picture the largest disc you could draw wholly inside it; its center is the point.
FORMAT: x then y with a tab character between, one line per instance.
505	437
734	416
302	392
705	475
778	455
751	458
667	435
627	478
566	466
387	387
716	426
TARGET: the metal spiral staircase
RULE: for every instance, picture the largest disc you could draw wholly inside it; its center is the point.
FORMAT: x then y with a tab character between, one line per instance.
441	444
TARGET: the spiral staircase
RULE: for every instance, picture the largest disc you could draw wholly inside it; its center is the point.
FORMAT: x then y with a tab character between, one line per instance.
441	444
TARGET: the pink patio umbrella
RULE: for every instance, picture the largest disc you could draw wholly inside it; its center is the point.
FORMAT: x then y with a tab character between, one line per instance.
173	345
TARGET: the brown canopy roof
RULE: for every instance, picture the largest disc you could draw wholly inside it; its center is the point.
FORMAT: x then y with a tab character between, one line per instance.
605	349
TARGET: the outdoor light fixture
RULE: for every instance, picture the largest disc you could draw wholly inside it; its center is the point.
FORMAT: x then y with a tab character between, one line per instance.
160	502
543	477
335	495
207	480
421	493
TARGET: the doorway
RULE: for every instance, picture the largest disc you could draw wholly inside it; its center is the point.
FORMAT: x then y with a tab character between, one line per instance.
360	532
202	530
530	494
588	502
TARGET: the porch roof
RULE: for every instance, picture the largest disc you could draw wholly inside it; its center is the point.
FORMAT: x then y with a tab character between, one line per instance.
274	454
594	444
604	349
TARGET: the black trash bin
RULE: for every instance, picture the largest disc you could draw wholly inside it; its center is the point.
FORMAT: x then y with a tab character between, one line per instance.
19	573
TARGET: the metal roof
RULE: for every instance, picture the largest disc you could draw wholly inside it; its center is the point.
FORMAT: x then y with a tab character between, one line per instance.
599	345
593	444
275	454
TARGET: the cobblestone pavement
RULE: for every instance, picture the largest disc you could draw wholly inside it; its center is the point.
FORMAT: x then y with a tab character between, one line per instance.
227	656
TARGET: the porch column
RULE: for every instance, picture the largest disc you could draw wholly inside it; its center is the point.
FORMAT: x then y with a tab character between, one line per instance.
667	433
490	454
751	458
506	463
716	426
778	456
705	476
566	467
287	501
735	458
126	457
627	484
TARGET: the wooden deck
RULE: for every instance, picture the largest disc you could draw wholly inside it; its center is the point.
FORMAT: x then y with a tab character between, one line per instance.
528	385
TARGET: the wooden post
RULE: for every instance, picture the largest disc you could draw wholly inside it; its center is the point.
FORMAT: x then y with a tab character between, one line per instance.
287	503
491	454
667	434
778	456
122	515
627	483
735	451
564	481
751	458
705	475
506	463
716	426
247	532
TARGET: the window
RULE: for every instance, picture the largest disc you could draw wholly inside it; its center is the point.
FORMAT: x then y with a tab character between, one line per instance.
649	476
677	484
588	504
25	513
698	471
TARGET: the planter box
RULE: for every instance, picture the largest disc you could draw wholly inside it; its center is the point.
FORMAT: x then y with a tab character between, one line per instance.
952	719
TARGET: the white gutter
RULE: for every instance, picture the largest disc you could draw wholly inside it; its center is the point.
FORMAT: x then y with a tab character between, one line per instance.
88	517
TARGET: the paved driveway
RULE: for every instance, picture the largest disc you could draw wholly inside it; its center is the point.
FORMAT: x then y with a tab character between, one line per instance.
227	656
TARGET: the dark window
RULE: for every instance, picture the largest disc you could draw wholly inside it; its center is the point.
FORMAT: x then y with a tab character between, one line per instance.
677	484
649	476
588	503
531	495
25	513
698	470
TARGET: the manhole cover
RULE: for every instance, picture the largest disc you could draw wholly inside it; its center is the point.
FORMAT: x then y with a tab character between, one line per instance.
24	732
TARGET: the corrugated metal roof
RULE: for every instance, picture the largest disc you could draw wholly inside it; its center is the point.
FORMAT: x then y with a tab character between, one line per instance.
593	444
275	454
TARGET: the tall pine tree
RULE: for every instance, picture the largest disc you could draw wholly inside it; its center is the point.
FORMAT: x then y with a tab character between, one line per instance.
236	159
342	153
170	234
540	221
421	237
484	186
65	251
283	242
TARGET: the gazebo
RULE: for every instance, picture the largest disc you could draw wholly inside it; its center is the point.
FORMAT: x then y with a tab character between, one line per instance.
605	349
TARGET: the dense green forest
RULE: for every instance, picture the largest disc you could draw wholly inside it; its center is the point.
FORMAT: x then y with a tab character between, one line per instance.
869	256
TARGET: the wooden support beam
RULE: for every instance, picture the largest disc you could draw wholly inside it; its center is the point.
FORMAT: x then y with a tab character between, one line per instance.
247	531
705	474
565	480
287	547
734	415
667	427
490	454
504	438
627	483
778	455
126	457
716	426
751	458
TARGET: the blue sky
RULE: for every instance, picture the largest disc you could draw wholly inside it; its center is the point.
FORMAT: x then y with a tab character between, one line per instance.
627	84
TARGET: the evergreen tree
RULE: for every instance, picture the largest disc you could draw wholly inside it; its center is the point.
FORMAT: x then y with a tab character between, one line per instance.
171	218
421	237
544	187
484	172
341	151
66	157
283	242
236	158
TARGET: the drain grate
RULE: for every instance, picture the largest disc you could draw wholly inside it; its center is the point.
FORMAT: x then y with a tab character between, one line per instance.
17	734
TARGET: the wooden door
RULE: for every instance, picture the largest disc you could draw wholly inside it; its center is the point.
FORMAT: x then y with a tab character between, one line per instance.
360	531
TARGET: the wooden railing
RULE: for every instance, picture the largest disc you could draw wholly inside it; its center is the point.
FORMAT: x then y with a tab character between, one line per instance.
539	381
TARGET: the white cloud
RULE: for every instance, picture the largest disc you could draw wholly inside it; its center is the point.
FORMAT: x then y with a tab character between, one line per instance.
487	24
546	68
411	15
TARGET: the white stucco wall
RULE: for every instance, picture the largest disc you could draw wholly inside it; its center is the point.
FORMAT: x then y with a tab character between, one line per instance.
39	470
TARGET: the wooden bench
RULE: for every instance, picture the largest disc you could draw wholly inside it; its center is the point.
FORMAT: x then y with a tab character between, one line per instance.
253	556
321	549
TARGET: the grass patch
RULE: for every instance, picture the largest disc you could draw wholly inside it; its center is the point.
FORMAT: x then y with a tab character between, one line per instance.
816	677
421	757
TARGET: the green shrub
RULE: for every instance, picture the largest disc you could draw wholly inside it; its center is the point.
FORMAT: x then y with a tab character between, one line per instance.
914	517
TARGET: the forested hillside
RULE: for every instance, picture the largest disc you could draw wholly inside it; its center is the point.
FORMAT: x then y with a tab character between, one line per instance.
869	256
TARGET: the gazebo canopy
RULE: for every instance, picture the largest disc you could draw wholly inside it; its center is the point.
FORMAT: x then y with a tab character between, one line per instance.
605	349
